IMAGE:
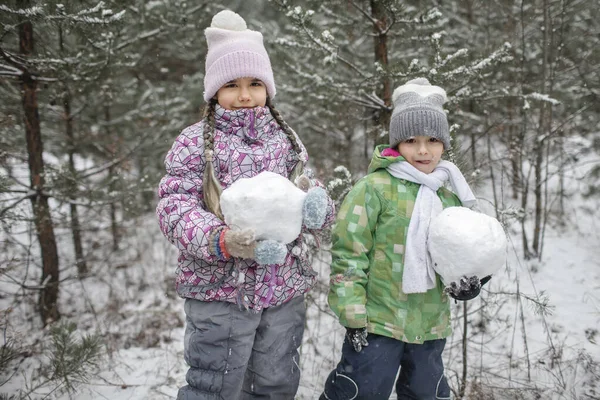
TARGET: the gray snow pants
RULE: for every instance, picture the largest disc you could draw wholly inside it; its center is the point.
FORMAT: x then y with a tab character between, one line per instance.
235	354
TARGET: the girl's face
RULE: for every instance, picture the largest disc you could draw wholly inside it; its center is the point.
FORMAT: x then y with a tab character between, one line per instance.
422	152
242	93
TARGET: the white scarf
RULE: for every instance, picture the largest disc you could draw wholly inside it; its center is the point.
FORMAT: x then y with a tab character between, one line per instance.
419	275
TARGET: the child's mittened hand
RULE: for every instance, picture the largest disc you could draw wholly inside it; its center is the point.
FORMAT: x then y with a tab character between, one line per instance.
269	252
357	338
314	209
240	243
468	289
303	183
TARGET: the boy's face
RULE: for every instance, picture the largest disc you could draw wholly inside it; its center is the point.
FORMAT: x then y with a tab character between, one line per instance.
242	93
422	152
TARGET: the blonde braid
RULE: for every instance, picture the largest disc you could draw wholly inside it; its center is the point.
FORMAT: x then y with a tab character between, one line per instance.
299	167
211	186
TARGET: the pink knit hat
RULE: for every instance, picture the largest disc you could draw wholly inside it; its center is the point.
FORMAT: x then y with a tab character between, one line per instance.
234	51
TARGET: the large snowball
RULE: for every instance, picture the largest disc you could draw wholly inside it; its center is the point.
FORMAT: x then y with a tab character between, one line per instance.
463	242
268	203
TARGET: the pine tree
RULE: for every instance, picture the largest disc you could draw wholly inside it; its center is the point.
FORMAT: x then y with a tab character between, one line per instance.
344	58
106	85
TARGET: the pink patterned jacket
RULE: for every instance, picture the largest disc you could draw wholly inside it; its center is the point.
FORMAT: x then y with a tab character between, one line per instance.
247	142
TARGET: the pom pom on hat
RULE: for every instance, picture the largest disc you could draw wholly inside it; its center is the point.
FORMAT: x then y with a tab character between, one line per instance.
418	112
234	51
229	20
420	86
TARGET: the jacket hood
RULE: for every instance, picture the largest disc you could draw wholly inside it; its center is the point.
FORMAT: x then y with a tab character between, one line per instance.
379	162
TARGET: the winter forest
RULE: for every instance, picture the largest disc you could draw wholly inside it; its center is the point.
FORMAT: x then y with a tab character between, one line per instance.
93	93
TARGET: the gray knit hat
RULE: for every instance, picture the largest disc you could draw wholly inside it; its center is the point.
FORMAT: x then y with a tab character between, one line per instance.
418	112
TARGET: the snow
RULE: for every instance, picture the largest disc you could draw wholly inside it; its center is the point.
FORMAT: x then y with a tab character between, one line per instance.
516	347
138	298
467	243
542	97
327	35
35	11
268	203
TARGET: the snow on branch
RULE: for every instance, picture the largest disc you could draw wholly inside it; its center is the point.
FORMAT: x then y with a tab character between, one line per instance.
498	56
106	15
141	36
106	18
7	70
432	15
451	57
302	18
542	97
34	11
92	10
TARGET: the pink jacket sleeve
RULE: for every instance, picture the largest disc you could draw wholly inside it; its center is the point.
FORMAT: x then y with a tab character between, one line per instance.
181	213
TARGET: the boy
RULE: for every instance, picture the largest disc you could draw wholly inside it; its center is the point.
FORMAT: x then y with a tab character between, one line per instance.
383	287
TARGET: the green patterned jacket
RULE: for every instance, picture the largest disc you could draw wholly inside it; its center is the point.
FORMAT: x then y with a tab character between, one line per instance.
368	260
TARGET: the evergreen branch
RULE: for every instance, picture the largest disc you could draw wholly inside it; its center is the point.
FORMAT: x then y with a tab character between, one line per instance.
327	49
35	11
13	60
92	10
38	11
112	163
88	20
22	184
141	36
16	203
366	14
392	22
301	22
20	65
8	71
376	23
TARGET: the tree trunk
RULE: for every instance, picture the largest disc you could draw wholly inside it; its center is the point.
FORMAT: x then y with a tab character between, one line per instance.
75	226
112	177
82	269
543	133
381	118
471	103
523	132
48	307
515	139
514	149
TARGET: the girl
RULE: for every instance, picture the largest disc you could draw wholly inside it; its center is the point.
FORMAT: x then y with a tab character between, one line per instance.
244	320
383	287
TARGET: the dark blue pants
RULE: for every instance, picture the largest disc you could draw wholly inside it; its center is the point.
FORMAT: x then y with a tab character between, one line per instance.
370	374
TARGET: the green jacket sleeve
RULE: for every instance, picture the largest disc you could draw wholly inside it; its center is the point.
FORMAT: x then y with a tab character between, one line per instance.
352	241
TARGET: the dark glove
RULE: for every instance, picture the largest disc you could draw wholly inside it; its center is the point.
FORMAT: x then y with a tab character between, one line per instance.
467	289
357	338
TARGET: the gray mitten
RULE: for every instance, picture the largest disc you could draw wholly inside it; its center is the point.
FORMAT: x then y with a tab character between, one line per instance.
314	209
270	252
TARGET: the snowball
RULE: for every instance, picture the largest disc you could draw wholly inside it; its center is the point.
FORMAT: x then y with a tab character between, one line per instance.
463	242
268	203
229	20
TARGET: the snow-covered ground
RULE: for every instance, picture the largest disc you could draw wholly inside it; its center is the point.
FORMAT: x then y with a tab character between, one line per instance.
514	350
